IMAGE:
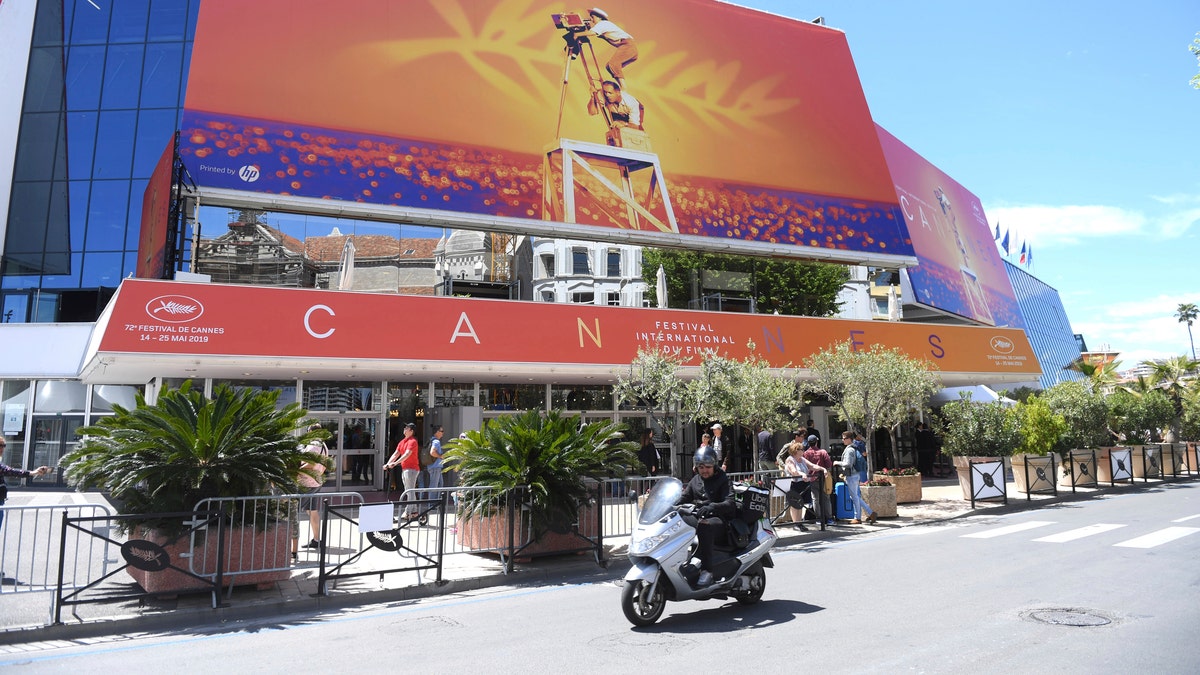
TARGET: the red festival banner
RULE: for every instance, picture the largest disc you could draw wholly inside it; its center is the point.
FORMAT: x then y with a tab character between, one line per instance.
173	318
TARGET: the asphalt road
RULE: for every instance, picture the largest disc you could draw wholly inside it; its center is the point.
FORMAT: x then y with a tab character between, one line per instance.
986	594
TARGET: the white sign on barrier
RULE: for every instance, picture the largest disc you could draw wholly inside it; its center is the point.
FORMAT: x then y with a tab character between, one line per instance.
987	479
376	518
1122	463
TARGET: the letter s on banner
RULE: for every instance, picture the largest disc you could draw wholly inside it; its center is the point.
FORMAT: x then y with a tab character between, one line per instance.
308	325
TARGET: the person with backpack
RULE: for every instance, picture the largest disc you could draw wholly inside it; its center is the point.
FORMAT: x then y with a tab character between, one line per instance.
854	467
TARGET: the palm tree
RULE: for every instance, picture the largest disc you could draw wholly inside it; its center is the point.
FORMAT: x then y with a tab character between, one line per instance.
1187	313
1101	378
1172	376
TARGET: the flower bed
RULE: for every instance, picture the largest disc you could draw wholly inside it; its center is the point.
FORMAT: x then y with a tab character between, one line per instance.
907	482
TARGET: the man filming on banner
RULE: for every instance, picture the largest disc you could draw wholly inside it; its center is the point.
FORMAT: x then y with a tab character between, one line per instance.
627	51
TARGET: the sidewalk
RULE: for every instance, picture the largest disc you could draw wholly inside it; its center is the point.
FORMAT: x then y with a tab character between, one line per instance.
941	501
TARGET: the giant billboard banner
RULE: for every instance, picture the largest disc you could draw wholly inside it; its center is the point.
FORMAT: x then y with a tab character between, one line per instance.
692	120
960	270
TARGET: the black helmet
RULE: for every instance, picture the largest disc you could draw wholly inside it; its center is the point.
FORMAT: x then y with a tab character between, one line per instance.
812	441
705	455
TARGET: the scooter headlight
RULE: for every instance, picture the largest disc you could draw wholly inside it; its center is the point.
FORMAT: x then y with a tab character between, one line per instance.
644	546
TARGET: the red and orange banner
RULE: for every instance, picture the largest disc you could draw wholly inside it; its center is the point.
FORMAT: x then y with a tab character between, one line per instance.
174	318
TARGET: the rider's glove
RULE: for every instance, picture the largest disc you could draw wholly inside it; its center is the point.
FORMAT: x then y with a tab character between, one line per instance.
704	511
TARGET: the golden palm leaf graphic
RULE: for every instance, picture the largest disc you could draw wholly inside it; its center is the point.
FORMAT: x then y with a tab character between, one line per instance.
672	85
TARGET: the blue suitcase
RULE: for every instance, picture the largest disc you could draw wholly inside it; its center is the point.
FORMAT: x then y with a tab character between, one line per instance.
843	508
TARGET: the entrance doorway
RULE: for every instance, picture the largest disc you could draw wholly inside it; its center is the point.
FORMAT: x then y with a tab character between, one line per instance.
356	450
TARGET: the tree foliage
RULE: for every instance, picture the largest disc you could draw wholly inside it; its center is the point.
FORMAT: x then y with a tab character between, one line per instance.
1139	417
653	384
783	286
1194	48
1041	427
747	392
1187	312
971	429
1085	413
876	387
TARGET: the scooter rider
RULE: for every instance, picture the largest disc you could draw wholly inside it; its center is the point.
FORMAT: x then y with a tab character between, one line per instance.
713	496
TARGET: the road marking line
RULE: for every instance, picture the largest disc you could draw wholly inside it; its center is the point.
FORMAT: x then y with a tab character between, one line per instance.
1011	529
1079	533
1185	519
1158	538
925	529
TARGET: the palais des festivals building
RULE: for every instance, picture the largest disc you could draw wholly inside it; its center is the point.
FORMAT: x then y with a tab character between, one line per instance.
170	169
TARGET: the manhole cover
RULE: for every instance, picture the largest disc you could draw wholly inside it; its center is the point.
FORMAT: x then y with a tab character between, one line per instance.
1068	617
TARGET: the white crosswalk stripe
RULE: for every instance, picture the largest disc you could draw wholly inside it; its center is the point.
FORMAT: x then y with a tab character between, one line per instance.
1011	529
1159	538
1186	518
1079	533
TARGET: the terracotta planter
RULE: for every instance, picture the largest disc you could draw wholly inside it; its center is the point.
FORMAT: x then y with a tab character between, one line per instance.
1104	464
1145	461
881	499
1083	463
1034	473
491	533
246	548
963	467
908	488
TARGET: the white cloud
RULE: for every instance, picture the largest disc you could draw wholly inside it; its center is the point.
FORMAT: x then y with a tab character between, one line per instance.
1141	330
1051	225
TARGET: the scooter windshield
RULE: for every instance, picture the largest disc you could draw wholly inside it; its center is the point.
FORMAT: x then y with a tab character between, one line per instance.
662	498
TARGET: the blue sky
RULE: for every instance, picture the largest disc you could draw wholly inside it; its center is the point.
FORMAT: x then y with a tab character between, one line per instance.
1074	123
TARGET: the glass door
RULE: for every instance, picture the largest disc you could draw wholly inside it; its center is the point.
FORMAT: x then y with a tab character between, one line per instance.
354	447
53	437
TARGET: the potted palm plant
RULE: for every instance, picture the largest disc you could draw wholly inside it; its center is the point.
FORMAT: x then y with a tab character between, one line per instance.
166	457
541	467
1034	461
973	431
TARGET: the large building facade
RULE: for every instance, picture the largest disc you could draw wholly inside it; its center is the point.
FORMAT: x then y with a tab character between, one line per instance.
102	89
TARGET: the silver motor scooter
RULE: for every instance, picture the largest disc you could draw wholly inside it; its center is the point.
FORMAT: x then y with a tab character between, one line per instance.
662	551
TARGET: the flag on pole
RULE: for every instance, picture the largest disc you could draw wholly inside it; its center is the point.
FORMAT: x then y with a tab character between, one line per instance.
997	237
1029	257
1004	244
1023	253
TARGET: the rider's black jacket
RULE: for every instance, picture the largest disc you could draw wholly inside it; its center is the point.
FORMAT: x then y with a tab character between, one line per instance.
716	491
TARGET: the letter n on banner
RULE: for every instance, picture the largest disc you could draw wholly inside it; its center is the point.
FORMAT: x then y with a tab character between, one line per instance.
583	328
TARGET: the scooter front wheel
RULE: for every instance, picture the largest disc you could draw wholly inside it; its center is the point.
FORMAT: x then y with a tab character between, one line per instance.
757	578
640	607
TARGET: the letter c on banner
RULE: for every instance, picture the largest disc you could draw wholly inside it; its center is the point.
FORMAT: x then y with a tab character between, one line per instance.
308	325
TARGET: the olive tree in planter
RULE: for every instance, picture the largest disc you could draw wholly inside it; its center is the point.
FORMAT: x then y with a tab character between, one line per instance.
541	466
976	431
167	456
873	387
653	384
1086	416
1138	416
1034	460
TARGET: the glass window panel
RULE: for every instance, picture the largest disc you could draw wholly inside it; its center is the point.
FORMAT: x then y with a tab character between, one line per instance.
45	308
107	215
15	308
129	21
133	226
453	394
27	219
37	146
286	388
85	69
105	395
341	396
122	77
168	20
155	131
79	191
614	263
69	278
512	396
114	144
581	397
161	75
187	61
44	86
81	143
101	269
49	22
59	396
129	266
90	25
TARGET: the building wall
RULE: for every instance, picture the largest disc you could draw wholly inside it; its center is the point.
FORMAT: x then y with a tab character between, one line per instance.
1046	325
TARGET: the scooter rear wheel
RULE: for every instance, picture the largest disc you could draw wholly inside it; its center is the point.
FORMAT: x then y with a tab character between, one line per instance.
641	608
758	584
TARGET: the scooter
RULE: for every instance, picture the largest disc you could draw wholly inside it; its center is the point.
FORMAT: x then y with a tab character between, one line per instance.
663	545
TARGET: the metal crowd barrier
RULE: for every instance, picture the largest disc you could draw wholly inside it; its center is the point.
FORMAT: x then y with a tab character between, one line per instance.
31	549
